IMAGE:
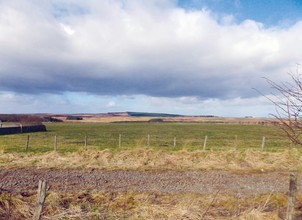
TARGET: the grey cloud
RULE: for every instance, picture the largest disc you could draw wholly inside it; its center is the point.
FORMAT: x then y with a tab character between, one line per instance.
110	48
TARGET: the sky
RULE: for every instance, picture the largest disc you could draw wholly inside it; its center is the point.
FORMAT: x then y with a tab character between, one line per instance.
191	57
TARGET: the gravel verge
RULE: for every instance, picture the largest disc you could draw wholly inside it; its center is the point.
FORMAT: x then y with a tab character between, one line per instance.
168	181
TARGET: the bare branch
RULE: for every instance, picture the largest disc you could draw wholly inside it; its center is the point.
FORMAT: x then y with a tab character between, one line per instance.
288	103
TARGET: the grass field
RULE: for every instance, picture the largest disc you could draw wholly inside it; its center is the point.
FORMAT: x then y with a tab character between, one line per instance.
188	136
231	147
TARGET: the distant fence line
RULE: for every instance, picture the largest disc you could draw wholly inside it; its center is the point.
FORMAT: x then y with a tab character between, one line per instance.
66	143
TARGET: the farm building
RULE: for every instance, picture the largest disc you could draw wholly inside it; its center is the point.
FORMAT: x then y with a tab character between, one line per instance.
73	117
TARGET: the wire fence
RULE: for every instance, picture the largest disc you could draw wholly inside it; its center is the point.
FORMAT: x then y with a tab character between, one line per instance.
46	143
68	137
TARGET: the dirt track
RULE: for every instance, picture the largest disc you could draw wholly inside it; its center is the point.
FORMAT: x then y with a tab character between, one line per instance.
205	182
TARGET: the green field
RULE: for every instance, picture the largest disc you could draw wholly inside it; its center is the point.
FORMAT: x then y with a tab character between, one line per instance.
231	148
189	136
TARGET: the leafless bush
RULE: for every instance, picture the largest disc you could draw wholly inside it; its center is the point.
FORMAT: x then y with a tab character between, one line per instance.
287	98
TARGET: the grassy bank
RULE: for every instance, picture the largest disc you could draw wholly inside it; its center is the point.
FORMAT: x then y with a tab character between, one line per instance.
129	205
149	159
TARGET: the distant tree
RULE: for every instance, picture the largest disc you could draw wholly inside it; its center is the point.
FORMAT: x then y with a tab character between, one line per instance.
156	120
288	103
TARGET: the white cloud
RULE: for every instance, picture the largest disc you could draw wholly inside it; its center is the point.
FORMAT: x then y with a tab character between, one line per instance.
67	29
111	104
152	48
258	106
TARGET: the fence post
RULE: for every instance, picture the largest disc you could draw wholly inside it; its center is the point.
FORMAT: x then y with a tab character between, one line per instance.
42	188
55	143
85	142
263	143
148	140
27	143
290	212
120	140
174	144
205	142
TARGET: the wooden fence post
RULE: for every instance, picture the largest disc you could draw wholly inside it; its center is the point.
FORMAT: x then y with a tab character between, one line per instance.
148	140
290	212
85	142
42	188
27	143
263	143
120	140
174	142
205	142
55	143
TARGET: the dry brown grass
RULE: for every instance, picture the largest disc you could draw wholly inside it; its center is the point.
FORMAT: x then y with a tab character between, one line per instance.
136	206
153	205
144	158
125	118
108	119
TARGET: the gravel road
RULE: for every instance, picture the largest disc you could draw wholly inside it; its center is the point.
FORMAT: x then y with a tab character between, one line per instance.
204	182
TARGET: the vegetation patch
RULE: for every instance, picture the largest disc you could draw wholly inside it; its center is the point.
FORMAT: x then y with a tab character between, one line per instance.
155	147
72	137
156	205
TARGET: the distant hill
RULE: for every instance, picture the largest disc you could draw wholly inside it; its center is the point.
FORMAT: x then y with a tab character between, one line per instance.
147	114
24	118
